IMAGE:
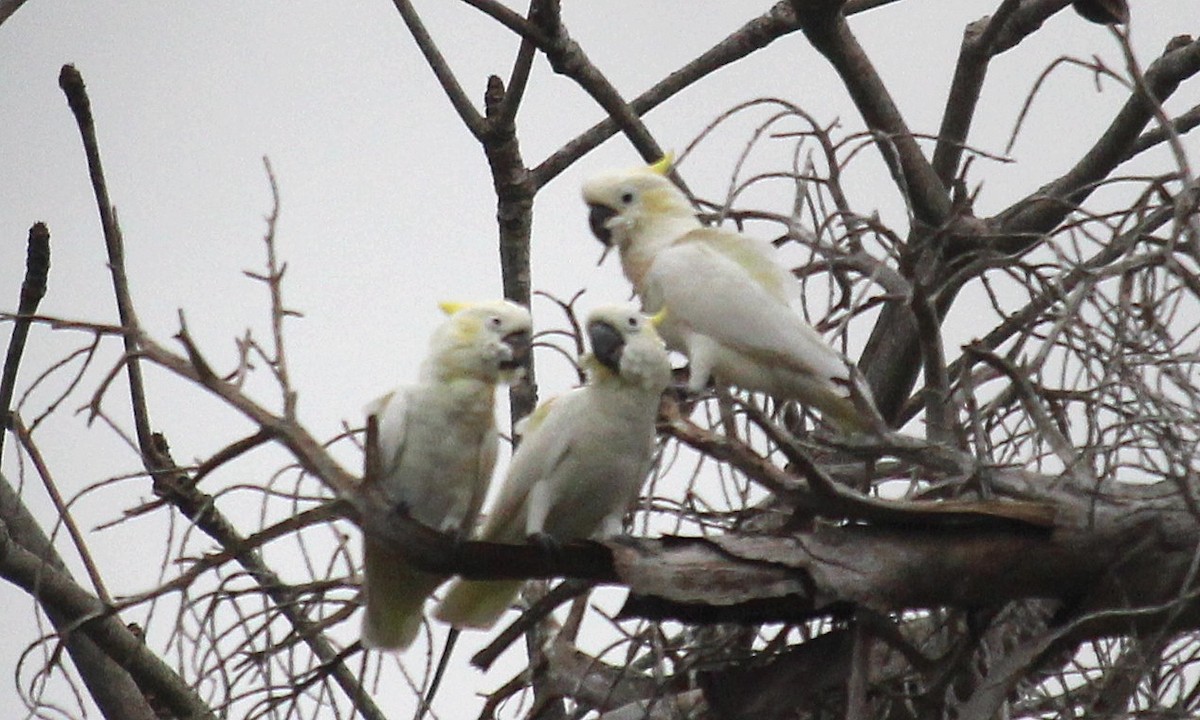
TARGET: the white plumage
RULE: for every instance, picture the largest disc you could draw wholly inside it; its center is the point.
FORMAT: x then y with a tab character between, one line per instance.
727	301
583	457
437	445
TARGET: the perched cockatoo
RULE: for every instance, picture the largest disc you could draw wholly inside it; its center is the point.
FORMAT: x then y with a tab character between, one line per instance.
582	458
726	301
437	449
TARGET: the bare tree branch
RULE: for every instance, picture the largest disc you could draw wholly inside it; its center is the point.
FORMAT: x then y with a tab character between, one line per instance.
33	289
825	27
978	48
8	7
1025	222
462	104
26	556
71	82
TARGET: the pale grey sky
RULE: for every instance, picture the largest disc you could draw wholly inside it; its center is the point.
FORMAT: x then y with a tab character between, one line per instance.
386	200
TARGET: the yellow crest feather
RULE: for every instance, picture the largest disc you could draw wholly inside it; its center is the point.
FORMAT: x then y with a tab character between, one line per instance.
450	306
663	165
658	318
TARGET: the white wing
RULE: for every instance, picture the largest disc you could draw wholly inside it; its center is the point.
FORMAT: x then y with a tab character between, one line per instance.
733	301
544	446
391	414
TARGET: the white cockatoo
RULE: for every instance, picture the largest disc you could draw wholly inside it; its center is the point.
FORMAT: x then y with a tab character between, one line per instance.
437	449
726	300
582	459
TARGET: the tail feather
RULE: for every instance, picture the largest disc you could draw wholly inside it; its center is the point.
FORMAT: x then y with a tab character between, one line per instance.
477	604
843	414
395	598
853	414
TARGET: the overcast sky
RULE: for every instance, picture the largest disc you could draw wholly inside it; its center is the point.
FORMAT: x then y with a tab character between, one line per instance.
386	200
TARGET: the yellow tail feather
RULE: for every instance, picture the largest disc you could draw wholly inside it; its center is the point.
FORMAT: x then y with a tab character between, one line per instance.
477	604
395	598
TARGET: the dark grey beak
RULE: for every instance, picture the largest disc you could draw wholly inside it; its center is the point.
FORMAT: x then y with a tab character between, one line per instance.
607	344
520	343
598	216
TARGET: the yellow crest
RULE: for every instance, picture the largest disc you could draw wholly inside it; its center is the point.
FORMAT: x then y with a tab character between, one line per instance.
658	318
450	306
664	165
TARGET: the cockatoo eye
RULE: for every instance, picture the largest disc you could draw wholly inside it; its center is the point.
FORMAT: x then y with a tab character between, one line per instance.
633	322
627	197
495	321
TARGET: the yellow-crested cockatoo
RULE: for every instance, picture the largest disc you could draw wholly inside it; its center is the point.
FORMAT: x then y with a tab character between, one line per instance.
726	300
437	450
582	459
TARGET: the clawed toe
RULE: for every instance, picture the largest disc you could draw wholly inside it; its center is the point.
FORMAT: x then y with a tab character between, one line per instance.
546	543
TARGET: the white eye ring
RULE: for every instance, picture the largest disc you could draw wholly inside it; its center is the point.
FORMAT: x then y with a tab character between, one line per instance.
626	197
495	320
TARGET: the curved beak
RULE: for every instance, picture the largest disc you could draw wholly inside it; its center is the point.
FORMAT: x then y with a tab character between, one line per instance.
598	217
607	344
519	343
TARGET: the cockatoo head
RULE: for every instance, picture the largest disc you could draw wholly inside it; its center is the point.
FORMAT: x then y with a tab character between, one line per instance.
626	345
624	205
486	341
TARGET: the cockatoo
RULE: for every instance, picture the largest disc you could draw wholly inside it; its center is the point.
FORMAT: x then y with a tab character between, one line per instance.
582	460
726	301
437	449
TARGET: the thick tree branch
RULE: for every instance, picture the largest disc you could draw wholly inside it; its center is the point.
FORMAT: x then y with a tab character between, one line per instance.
28	560
983	40
8	7
566	57
514	215
755	35
825	27
1180	125
1128	547
978	48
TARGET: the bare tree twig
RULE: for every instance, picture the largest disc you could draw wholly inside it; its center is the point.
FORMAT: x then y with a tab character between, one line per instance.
168	479
60	507
1181	125
33	289
462	104
274	281
199	508
1020	320
545	605
1025	222
71	82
